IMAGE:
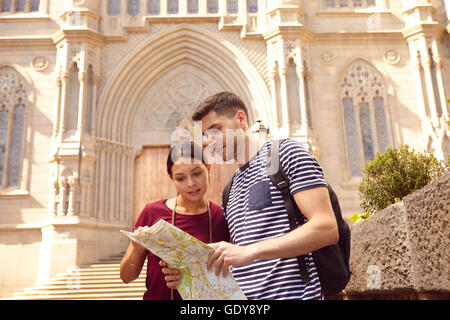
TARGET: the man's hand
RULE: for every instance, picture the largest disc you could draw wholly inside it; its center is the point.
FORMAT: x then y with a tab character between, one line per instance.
226	254
172	276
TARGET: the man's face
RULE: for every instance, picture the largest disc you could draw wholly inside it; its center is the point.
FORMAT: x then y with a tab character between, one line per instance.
216	128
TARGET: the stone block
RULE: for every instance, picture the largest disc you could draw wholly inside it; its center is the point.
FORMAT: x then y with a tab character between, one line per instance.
429	233
405	248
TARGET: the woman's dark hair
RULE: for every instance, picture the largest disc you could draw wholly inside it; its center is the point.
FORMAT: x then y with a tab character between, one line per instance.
223	103
186	149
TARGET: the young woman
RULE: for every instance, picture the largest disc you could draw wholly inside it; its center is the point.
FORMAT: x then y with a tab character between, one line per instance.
189	211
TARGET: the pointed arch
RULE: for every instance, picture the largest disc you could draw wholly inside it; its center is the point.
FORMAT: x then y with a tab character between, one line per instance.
365	114
179	45
14	104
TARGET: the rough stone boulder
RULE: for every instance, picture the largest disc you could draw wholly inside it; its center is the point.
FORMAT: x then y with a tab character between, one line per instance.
403	251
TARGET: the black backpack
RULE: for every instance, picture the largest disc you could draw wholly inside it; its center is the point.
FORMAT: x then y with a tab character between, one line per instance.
332	262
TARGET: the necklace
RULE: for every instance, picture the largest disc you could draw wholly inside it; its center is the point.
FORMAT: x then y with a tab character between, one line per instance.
210	227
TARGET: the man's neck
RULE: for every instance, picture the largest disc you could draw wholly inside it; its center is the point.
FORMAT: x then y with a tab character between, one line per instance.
251	146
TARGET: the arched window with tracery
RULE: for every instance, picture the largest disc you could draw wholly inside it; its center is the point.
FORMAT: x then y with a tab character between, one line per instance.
153	7
365	114
192	6
113	7
133	7
233	6
172	6
14	103
213	6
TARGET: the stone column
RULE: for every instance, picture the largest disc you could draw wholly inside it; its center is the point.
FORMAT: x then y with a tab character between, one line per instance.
73	195
58	108
273	91
65	76
285	127
83	79
427	63
417	68
63	187
439	78
301	72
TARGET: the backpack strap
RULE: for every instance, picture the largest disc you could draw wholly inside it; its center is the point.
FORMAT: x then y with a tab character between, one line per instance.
279	178
226	196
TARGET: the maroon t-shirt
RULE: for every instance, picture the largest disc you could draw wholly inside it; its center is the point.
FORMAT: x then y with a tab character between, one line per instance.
196	225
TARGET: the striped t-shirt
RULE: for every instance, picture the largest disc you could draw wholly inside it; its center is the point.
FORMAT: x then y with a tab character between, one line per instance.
256	212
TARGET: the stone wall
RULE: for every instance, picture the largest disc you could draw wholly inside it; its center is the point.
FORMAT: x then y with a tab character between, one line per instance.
403	251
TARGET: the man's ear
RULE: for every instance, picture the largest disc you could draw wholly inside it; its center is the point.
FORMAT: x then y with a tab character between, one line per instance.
241	119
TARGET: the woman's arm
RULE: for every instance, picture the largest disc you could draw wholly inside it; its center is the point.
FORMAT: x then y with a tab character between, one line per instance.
132	262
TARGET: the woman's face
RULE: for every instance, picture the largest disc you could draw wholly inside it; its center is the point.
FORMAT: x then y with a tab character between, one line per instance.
190	178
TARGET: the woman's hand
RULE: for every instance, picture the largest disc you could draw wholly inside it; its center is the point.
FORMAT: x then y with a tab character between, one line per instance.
172	276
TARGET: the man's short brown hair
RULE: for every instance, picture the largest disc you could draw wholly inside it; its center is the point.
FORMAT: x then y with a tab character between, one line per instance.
223	103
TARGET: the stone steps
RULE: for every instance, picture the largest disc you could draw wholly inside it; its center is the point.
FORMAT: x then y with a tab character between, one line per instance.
99	280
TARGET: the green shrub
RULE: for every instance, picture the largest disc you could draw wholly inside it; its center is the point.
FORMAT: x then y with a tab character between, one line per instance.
393	175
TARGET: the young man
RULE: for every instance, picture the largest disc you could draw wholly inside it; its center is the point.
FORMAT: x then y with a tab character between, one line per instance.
263	252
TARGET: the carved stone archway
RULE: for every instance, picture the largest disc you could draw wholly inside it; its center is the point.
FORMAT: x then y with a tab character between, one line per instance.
148	93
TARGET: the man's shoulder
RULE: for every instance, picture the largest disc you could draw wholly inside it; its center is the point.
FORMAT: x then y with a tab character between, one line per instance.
288	146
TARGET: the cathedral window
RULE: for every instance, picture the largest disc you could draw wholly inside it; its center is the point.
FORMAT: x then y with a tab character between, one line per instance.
252	6
343	3
153	7
19	5
233	6
113	7
357	4
34	5
172	6
365	116
13	106
213	6
6	5
133	7
193	6
330	3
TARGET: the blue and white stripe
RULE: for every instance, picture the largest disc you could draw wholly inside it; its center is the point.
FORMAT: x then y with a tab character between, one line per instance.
276	278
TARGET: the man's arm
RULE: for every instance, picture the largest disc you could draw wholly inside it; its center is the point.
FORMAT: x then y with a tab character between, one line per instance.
319	231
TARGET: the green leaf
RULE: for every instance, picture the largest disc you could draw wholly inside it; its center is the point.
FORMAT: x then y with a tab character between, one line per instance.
355	218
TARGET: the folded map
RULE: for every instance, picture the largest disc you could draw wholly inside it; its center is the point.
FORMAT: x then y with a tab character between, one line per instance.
189	255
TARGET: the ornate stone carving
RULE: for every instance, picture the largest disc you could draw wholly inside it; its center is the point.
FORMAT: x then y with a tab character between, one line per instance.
40	63
391	57
181	95
75	54
13	89
327	58
79	3
290	50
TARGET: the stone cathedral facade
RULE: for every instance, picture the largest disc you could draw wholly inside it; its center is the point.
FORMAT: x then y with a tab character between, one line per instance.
87	85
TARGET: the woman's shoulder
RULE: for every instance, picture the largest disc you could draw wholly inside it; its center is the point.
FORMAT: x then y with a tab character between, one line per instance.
215	208
151	212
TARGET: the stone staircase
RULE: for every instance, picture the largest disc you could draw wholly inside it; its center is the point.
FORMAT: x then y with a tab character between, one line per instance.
96	281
